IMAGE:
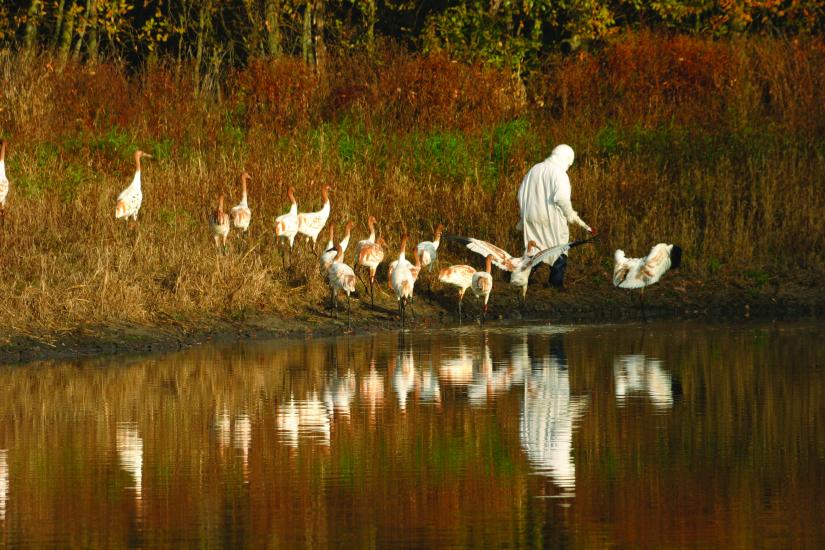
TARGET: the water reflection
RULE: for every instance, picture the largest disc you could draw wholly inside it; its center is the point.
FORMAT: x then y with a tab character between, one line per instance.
4	482
548	418
640	375
304	418
129	446
330	441
403	379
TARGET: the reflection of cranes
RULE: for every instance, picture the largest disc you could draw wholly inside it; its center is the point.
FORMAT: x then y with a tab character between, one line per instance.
4	482
129	446
242	439
306	417
338	394
547	422
403	380
372	389
459	370
430	390
638	374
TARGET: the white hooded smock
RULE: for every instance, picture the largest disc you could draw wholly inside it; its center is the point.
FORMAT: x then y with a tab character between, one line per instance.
544	202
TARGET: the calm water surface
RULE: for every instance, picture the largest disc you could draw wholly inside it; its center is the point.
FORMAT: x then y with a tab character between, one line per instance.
666	435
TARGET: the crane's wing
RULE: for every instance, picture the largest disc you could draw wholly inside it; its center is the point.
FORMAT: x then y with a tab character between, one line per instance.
501	258
656	263
539	257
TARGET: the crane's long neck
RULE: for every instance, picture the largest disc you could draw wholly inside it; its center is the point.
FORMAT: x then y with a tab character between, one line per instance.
372	230
243	193
402	254
3	151
345	240
489	267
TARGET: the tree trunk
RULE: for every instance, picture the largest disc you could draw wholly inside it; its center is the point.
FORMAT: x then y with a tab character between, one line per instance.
253	36
32	16
273	29
58	24
306	35
202	13
66	34
372	14
320	44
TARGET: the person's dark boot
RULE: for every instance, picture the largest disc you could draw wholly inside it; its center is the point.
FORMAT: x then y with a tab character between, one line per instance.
557	272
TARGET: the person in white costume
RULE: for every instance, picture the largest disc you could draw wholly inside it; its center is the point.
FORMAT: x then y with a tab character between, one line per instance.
546	210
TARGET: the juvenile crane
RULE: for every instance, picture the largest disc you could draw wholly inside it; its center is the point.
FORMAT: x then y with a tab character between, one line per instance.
4	181
460	276
428	250
330	253
341	277
219	224
519	268
310	224
370	253
371	221
482	285
241	214
632	273
403	282
130	199
286	225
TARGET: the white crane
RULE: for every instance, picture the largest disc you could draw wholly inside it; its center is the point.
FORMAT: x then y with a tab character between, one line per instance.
130	199
460	276
329	254
4	181
482	285
428	250
341	277
632	273
402	279
241	214
310	224
519	268
286	225
219	224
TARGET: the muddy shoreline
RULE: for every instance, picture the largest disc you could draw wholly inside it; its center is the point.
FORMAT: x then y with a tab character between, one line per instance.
583	302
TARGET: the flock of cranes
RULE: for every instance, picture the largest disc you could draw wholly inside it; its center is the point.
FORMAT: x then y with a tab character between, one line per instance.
629	273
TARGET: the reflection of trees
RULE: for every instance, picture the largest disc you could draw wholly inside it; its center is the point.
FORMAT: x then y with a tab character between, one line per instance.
638	374
547	420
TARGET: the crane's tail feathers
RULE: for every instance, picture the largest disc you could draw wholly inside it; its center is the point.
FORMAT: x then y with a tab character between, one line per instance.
675	256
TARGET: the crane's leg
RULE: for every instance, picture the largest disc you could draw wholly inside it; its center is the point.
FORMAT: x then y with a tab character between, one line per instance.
460	299
335	302
349	318
357	274
372	291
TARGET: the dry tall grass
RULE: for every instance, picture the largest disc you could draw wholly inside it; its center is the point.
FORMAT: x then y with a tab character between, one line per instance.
718	146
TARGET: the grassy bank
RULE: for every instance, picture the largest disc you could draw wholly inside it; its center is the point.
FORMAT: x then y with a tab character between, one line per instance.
718	146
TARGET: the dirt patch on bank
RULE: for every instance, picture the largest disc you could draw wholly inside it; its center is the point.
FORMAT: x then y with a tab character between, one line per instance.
582	301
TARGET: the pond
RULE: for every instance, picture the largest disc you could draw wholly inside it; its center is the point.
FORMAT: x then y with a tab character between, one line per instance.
674	434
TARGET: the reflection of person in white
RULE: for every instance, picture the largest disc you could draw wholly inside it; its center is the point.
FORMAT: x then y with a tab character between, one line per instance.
544	202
